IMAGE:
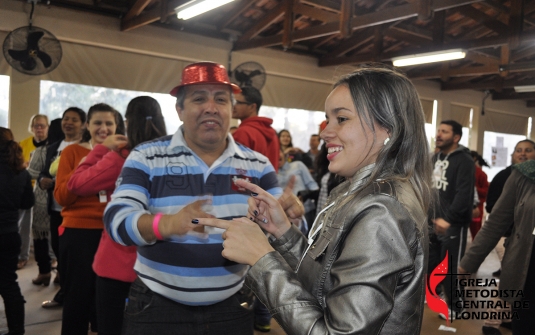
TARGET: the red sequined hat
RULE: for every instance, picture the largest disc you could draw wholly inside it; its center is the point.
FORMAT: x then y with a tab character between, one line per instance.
205	73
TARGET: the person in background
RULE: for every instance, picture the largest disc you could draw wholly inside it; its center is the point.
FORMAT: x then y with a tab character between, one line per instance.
292	153
82	225
97	174
72	126
454	179
515	205
232	130
255	132
184	285
304	182
40	216
524	151
362	268
482	188
314	143
16	186
39	129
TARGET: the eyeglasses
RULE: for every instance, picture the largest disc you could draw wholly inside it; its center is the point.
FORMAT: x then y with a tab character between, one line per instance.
39	126
243	103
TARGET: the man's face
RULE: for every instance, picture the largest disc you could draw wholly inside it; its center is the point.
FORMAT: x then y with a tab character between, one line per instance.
445	137
242	109
314	142
206	116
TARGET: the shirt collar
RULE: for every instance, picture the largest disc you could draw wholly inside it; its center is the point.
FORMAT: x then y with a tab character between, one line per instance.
178	141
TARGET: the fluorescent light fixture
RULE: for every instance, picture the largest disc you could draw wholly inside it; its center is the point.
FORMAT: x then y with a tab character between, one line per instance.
197	7
430	57
526	88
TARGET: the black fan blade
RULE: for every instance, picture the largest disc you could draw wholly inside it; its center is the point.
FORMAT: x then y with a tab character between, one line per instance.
45	58
33	40
20	55
28	64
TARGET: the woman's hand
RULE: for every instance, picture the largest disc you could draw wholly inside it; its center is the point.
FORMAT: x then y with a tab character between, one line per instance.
115	142
265	210
243	241
291	204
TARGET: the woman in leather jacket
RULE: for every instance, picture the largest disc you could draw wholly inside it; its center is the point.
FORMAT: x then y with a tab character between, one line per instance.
362	268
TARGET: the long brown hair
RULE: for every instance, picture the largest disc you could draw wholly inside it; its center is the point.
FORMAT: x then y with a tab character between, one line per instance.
11	150
384	96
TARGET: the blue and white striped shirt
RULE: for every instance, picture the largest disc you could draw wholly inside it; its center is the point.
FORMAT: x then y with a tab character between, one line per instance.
164	176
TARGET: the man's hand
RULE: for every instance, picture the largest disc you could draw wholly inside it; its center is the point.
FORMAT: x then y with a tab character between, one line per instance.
441	226
290	203
181	222
45	183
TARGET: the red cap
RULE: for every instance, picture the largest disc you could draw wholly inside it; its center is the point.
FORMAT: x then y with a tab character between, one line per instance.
205	73
323	125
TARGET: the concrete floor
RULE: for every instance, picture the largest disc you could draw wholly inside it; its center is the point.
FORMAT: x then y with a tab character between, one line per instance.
40	321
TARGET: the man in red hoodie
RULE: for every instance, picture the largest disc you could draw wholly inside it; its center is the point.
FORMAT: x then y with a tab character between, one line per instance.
255	132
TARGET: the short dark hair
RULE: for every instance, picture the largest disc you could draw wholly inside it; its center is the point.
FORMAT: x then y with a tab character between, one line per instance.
80	112
455	126
181	96
252	96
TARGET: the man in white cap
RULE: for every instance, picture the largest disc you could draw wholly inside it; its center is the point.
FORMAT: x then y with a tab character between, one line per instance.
184	285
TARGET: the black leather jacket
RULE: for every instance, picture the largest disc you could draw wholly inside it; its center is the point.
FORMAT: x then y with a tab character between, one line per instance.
364	273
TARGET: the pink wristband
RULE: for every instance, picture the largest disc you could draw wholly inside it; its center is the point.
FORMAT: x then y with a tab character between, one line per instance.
155	223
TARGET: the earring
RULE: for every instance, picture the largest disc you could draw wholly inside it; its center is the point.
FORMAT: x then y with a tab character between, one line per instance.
386	140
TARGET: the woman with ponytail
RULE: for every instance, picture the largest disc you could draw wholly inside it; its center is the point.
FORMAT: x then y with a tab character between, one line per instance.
97	174
17	193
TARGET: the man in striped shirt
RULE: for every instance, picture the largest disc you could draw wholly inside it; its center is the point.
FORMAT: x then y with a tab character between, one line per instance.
184	285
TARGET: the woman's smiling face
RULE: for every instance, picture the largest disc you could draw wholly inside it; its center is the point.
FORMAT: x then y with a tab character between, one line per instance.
350	142
101	125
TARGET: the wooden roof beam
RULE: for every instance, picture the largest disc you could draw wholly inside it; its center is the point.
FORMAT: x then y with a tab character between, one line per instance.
136	9
288	24
363	21
324	4
425	13
359	38
525	52
487	85
151	16
273	15
484	19
345	18
315	13
466	45
512	95
238	10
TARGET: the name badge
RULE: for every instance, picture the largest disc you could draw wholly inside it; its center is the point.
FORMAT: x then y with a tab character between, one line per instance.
102	196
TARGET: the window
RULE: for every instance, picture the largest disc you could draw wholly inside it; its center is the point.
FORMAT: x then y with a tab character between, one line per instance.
56	97
299	122
502	158
4	101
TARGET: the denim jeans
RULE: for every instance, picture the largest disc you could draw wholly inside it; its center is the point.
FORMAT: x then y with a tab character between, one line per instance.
150	313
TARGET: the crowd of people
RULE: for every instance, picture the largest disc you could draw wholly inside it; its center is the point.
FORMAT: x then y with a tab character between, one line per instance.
213	230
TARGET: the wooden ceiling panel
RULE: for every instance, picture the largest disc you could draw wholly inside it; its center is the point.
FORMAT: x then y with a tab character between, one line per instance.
498	34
